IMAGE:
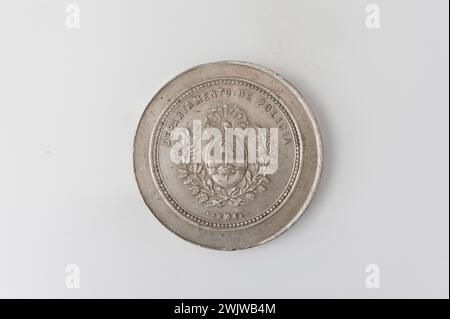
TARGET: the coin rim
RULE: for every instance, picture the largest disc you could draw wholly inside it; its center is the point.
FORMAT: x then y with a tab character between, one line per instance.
315	129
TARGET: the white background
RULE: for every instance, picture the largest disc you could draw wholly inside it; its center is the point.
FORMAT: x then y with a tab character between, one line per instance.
70	101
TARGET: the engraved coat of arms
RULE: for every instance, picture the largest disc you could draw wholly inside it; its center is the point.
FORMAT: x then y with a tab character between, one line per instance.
234	184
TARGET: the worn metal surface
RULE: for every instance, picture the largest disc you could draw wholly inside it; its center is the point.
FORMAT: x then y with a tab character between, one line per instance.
231	209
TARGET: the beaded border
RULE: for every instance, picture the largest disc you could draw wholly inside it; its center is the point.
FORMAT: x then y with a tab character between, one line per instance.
155	154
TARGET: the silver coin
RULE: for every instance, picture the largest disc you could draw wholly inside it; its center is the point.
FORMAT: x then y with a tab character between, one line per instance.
222	202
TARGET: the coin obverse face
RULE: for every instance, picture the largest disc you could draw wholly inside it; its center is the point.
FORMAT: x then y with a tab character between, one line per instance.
227	155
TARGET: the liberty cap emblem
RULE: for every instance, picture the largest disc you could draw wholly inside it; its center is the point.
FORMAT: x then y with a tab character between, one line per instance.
225	174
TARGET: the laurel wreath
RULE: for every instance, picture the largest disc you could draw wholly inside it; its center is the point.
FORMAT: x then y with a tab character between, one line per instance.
209	194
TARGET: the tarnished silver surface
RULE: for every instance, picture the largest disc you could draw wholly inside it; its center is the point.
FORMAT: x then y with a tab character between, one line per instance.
214	206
